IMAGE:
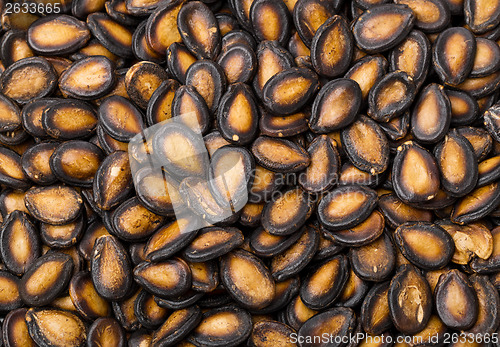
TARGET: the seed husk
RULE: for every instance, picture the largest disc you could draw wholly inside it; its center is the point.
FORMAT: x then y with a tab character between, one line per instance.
10	116
209	80
119	118
480	140
492	121
177	326
480	16
309	15
15	329
112	35
339	321
336	105
412	314
280	155
105	331
456	300
492	263
453	55
49	327
431	116
69	120
464	108
477	204
374	261
85	297
439	249
414	183
213	242
9	285
110	268
375	317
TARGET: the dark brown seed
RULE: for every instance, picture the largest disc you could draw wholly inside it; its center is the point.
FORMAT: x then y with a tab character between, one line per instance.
411	314
50	327
278	95
11	200
362	234
57	35
213	242
35	163
453	55
32	115
296	313
141	48
457	163
336	105
85	297
209	80
317	290
366	145
332	47
397	128
488	318
339	322
431	114
236	37
431	15
456	300
481	16
93	48
19	242
28	79
296	257
199	30
480	140
226	22
283	126
120	119
132	221
237	325
367	72
9	286
439	246
271	59
165	279
113	181
142	79
10	115
177	326
92	233
124	312
247	279
280	155
346	206
374	261
354	291
323	172
69	119
11	172
375	317
63	236
112	35
264	184
309	15
76	162
14	47
382	27
487	58
477	204
147	311
40	204
415	174
110	268
161	105
391	96
480	87
161	27
264	244
270	20
464	108
492	121
106	331
268	333
238	115
172	140
239	63
109	144
297	47
350	174
46	279
205	276
117	9
287	212
489	170
179	59
88	78
15	329
170	239
492	263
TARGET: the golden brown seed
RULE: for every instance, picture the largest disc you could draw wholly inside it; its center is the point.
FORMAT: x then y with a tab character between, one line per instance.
239	63
364	233
88	78
169	278
46	279
270	20
10	116
148	312
142	79
453	55
346	207
480	140
112	35
264	184
456	300
431	15
177	326
28	79
374	261
480	87
481	16
338	322
490	264
14	47
62	236
106	331
488	303
40	204
15	329
9	286
57	35
415	175
179	59
110	268
49	327
120	119
487	58
283	126
161	27
160	106
247	279
213	242
141	48
375	317
35	163
280	155
464	108
267	333
69	120
366	72
477	204
457	164
309	15
412	314
85	297
209	80
383	27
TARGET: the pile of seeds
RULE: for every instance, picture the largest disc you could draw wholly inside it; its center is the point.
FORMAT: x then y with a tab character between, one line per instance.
368	134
